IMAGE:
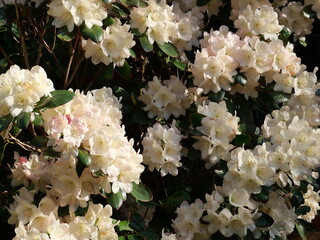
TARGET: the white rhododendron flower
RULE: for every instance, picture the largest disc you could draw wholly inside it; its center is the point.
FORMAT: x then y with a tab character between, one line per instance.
165	99
21	89
69	13
260	21
218	127
162	149
114	47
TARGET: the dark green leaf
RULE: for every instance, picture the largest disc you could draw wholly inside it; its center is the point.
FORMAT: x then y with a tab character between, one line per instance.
39	141
169	49
15	130
262	196
135	32
3	145
141	192
193	154
80	168
195	119
23	120
5	122
124	71
297	197
202	2
124	226
216	97
264	220
120	9
108	21
84	157
308	12
95	33
141	117
285	32
241	140
65	35
135	237
175	199
14	30
58	97
145	43
115	199
240	78
121	238
302	210
132	53
182	66
81	211
149	235
137	223
37	120
280	97
51	153
119	91
63	211
3	18
301	230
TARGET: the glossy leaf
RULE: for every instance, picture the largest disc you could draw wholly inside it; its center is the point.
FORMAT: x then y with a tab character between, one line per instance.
195	119
308	12
108	21
3	18
115	199
39	141
182	66
145	43
169	49
95	33
58	98
84	157
121	92
264	221
65	35
141	192
5	122
23	120
302	210
124	226
241	140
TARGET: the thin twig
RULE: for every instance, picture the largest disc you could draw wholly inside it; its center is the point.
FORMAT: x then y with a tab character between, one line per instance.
70	62
75	70
25	146
95	77
23	43
6	56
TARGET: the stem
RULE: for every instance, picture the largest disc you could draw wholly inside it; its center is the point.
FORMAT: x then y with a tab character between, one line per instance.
74	72
23	145
23	43
66	82
6	56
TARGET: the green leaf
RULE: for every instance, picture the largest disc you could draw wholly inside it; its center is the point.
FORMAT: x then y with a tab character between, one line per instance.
95	33
301	230
202	2
81	211
115	199
145	43
240	78
84	157
37	120
216	97
122	93
120	9
182	66
121	238
141	192
23	120
303	42
137	223
297	197
3	18
149	234
280	97
169	49
308	12
285	32
135	237
241	140
193	154
65	35
124	71
124	226
264	220
58	97
108	21
5	122
51	153
195	119
175	199
63	211
15	130
302	210
39	141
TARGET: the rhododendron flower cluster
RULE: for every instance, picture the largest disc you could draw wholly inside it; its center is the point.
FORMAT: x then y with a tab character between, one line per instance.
163	100
218	127
162	149
21	89
113	48
69	13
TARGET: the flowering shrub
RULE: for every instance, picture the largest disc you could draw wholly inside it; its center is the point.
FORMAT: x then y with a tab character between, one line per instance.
155	119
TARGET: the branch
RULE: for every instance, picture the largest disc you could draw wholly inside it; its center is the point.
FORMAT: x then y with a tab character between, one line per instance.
25	146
